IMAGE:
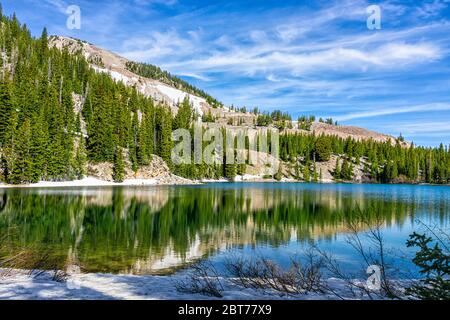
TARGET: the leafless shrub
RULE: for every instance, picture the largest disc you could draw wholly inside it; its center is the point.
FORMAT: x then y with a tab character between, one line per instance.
300	278
366	238
203	279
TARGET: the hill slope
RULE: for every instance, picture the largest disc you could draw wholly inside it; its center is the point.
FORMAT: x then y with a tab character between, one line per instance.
118	68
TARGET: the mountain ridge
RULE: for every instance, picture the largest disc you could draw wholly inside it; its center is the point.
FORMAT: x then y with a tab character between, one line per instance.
103	60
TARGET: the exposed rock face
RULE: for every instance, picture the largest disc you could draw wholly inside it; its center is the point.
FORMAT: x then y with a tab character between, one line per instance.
108	62
157	170
350	131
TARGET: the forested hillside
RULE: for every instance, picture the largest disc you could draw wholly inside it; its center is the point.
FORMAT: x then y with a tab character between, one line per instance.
153	72
58	114
40	131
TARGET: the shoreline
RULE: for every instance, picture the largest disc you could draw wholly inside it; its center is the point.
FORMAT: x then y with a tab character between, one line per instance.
179	181
25	285
95	182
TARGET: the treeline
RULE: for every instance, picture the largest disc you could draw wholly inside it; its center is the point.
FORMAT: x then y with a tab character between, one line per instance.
44	137
153	72
277	118
383	162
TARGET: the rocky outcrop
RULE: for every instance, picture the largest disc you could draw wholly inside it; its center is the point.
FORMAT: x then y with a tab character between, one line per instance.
156	170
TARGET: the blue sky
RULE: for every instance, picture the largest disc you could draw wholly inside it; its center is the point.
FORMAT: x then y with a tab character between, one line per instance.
304	57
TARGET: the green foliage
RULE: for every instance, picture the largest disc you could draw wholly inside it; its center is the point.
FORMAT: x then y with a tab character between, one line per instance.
80	159
322	148
208	117
305	123
385	162
434	264
263	120
279	175
337	170
184	116
154	72
306	173
346	170
42	137
119	166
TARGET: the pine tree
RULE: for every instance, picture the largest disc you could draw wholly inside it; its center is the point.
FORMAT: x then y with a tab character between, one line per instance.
5	107
80	159
22	171
230	171
184	116
315	174
337	170
306	174
119	166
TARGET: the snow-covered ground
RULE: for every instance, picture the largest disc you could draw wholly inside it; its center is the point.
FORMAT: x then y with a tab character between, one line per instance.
178	96
95	286
86	182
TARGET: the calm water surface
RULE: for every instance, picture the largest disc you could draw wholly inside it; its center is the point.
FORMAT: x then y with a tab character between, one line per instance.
148	230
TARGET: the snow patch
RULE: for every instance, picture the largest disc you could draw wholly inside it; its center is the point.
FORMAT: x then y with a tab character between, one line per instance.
95	286
87	182
178	96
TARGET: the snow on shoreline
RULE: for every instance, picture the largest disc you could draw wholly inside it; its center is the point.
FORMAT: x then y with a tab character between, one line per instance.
97	286
86	182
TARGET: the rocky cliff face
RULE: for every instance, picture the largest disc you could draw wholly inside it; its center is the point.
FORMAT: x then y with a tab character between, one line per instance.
157	170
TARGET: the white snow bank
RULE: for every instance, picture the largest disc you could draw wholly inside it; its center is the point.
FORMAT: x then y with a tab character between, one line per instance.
107	286
213	180
248	177
86	182
178	96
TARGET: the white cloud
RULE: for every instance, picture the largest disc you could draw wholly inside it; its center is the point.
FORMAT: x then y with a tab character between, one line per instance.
253	60
158	45
431	9
394	110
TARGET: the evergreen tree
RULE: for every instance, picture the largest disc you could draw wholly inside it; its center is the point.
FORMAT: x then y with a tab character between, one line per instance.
119	166
80	159
323	149
337	170
306	174
184	116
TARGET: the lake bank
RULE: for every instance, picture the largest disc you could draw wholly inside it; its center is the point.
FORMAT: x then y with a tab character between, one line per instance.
98	286
175	180
95	182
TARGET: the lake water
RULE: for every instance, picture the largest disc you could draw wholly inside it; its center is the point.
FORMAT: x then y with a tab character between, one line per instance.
159	230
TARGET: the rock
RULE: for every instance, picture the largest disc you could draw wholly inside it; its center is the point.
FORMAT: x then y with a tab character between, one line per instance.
157	170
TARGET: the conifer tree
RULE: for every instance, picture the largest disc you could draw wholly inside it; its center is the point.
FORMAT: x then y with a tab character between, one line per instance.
80	159
306	174
337	170
119	166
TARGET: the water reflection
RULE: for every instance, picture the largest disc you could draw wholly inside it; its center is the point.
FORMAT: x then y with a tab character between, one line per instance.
156	230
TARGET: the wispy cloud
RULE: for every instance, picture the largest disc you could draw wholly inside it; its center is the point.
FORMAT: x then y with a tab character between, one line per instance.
395	110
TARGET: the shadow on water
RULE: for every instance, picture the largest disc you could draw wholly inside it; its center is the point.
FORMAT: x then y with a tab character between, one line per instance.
3	200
